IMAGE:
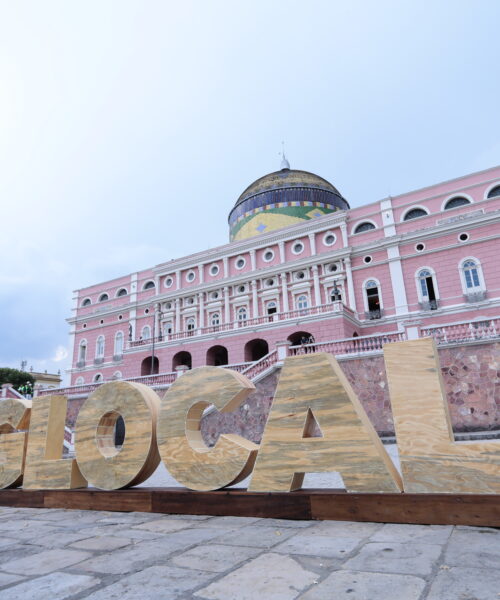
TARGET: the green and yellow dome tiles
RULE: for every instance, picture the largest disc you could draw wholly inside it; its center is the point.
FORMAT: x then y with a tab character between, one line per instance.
281	199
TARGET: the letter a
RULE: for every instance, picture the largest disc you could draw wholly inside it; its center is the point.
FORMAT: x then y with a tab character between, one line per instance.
315	386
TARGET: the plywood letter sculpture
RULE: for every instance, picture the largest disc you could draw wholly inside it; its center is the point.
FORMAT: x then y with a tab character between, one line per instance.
431	461
315	386
103	463
181	445
14	415
45	469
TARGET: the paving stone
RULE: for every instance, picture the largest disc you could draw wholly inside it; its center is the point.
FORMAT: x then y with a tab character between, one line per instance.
269	576
8	578
347	529
50	587
123	531
129	518
215	557
128	560
478	548
318	545
261	537
466	584
356	585
426	534
390	557
154	583
189	517
229	522
57	539
44	562
5	541
102	543
164	525
286	523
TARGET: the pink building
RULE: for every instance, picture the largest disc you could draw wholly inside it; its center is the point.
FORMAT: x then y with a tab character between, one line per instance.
302	267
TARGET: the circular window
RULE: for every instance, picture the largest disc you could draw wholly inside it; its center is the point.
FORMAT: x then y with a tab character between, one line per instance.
101	321
214	295
240	262
120	317
84	326
190	300
367	260
463	237
167	306
270	282
214	270
298	248
168	282
190	276
146	312
241	289
420	247
333	268
300	275
268	255
329	239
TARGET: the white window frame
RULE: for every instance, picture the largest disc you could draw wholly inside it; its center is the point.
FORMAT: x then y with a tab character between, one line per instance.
82	343
168	324
267	260
239	311
214	267
85	300
190	321
414	207
117	375
482	284
365	297
455	195
119	290
190	276
360	222
103	294
212	317
147	283
294	243
149	332
296	301
326	234
80	381
237	259
419	285
170	281
119	335
97	344
488	190
98	378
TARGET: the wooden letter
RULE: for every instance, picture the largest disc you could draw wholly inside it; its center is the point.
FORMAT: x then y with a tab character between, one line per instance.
431	461
181	445
14	415
103	463
45	469
315	386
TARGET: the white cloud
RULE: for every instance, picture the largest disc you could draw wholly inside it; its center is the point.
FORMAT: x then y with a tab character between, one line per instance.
60	354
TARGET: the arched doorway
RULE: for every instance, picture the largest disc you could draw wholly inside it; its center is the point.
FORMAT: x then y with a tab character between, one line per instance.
146	366
217	356
182	358
256	349
300	337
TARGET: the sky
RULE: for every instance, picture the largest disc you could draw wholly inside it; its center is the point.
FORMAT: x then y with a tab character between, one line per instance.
129	129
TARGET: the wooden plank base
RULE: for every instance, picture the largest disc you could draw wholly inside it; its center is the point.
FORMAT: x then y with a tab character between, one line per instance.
335	505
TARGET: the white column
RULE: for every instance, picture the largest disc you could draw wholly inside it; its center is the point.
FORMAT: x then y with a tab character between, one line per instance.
133	287
255	300
226	270
178	279
157	320
317	290
397	281
343	231
226	305
387	217
312	243
200	273
284	292
252	260
350	284
201	319
177	315
281	246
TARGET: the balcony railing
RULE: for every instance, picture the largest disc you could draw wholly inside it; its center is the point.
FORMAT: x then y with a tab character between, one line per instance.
468	331
355	345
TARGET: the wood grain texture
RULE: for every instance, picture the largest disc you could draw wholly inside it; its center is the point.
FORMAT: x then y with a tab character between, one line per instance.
430	459
181	445
14	416
100	461
45	469
349	445
426	509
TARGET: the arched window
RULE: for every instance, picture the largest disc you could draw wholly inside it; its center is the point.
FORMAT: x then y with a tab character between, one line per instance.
365	226
117	375
471	275
149	285
271	307
146	332
82	351
168	328
215	320
372	300
118	343
427	290
87	302
103	298
190	324
242	314
122	292
79	381
455	202
301	302
494	192
98	378
99	347
415	213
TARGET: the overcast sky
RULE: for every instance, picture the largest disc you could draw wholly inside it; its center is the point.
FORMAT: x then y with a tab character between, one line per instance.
128	129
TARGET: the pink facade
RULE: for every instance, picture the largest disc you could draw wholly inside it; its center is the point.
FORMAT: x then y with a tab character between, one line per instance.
417	263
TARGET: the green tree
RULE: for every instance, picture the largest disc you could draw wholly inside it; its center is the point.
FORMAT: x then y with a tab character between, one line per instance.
16	377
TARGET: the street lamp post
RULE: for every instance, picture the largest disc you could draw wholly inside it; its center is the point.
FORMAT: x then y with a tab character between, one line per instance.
156	312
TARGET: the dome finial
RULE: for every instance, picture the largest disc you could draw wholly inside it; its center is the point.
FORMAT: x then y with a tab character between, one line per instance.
284	163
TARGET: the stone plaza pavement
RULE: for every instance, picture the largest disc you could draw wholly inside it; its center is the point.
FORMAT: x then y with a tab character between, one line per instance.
58	554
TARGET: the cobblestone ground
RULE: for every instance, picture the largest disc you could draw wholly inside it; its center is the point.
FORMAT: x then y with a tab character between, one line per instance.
59	554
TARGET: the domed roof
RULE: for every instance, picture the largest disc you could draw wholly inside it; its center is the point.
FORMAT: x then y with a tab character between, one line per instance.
286	178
